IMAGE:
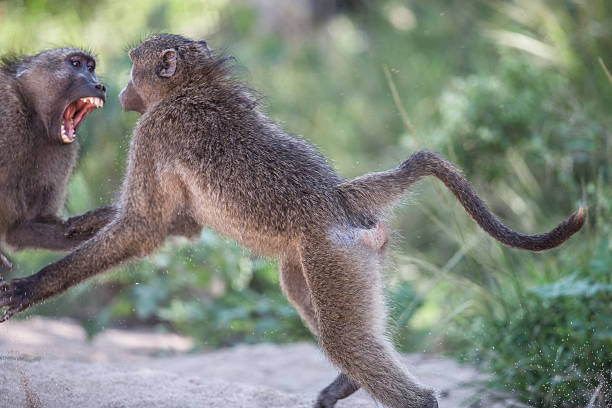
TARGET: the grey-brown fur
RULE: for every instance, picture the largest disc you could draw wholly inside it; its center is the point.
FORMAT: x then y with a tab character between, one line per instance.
35	162
202	155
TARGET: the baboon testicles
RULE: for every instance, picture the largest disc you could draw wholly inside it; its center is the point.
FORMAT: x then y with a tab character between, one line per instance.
43	100
203	155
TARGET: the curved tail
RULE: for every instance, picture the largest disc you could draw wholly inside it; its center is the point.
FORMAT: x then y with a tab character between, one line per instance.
374	193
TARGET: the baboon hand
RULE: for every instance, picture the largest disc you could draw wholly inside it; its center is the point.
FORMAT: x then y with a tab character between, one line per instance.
5	263
86	225
16	295
82	226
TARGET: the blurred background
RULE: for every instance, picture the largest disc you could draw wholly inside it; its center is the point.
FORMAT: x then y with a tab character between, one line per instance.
515	93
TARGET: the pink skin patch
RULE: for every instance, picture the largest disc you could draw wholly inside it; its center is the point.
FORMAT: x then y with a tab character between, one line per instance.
375	238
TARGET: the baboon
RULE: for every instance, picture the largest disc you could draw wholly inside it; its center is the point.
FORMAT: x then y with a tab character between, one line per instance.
43	100
203	155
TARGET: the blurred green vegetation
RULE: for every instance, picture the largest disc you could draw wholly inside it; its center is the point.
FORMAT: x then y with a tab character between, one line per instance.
513	92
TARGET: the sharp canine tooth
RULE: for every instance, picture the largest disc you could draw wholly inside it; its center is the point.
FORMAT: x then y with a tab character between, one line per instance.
65	137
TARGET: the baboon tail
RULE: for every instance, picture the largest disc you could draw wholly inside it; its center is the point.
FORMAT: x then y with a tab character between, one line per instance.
374	193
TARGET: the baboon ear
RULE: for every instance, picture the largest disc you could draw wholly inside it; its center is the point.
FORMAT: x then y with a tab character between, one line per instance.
168	63
204	45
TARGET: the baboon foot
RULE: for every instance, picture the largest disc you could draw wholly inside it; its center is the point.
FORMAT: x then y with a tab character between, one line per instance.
340	388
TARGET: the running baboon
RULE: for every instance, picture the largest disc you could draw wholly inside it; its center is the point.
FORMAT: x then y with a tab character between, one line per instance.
203	155
43	100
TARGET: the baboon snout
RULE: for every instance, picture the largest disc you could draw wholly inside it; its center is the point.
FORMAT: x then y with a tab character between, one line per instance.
122	98
130	100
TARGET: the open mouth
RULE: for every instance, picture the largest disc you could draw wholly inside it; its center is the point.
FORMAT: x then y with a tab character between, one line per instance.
74	115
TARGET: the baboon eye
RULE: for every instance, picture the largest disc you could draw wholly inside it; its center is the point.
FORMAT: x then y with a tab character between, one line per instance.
90	68
76	63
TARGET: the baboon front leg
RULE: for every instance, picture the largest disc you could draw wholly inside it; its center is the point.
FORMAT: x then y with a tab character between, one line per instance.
293	284
82	227
123	239
53	233
140	227
347	299
43	233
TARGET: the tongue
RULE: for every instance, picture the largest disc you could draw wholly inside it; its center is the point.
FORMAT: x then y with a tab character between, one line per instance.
80	114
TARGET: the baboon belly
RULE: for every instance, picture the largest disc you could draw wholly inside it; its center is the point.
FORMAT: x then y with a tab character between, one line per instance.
258	237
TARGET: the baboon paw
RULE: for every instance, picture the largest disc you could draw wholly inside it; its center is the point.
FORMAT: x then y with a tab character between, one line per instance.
80	227
15	295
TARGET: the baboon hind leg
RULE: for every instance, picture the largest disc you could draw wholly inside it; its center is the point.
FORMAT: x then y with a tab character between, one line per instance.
346	295
293	284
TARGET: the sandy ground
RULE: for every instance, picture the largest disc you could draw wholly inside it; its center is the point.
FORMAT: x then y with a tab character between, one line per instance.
50	363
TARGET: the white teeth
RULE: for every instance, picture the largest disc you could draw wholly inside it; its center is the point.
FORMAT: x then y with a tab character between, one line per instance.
93	100
65	137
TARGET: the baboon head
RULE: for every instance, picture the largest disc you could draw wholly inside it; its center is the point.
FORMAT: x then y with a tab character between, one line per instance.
62	88
161	63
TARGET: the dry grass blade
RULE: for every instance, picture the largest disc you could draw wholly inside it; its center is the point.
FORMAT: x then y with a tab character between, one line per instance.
603	66
398	104
525	43
4	263
598	389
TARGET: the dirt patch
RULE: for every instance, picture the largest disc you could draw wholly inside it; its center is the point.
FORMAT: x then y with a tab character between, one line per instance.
50	363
